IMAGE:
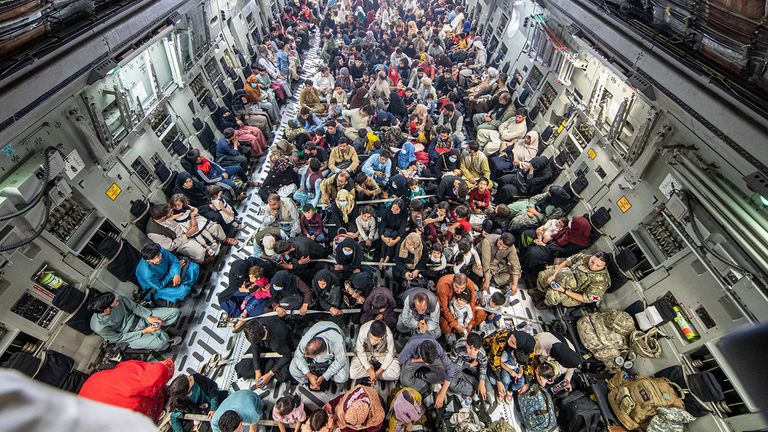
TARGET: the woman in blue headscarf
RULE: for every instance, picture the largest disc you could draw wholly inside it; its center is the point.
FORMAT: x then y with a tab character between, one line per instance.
406	155
165	279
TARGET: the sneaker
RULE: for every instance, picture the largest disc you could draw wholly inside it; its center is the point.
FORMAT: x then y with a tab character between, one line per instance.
176	340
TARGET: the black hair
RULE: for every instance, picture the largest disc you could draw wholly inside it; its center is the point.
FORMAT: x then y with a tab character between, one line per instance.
474	340
378	328
286	404
177	394
254	331
362	132
498	299
427	352
546	371
314	164
360	177
318	419
464	295
101	302
213	190
192	154
282	246
473	146
367	210
508	239
417	206
229	421
305	110
602	256
462	211
385	154
150	250
307	207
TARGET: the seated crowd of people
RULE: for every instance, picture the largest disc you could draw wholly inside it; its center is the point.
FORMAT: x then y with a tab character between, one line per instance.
408	196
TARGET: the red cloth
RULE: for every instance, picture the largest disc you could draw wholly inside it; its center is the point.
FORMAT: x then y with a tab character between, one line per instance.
577	233
478	198
204	166
136	385
422	157
394	77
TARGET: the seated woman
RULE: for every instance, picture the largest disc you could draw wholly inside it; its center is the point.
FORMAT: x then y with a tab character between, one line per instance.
409	261
251	136
251	113
327	292
342	214
359	409
508	352
284	149
392	228
192	394
529	179
407	410
208	233
164	279
509	158
198	197
281	174
231	178
567	241
249	299
349	258
538	209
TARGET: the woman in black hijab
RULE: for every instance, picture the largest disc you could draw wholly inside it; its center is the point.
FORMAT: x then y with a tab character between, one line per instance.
397	107
326	290
195	193
292	292
529	179
392	228
349	258
446	163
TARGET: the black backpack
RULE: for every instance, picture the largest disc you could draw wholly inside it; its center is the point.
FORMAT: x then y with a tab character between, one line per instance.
578	413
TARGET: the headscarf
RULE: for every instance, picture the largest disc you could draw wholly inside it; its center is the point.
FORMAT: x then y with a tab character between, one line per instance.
393	76
342	78
345	195
577	232
407	412
285	281
360	409
564	355
404	158
493	73
524	152
421	110
359	98
415	238
398	185
369	37
196	194
253	94
327	276
557	197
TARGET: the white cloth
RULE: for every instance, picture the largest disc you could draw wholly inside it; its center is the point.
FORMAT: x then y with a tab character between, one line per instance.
29	406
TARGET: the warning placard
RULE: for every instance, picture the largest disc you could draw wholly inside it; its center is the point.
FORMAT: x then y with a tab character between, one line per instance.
624	204
113	191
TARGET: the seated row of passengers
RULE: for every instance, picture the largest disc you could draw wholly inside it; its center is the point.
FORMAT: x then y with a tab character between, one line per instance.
452	226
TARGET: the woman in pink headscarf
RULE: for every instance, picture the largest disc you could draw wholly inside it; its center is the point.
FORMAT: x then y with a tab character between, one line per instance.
359	409
406	409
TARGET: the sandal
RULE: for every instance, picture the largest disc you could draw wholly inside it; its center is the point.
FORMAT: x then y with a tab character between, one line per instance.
500	397
508	398
230	241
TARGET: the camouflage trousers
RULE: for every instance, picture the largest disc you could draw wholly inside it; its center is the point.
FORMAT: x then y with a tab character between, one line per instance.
552	297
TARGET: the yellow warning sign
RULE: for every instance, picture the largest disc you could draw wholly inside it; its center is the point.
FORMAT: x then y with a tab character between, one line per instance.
624	204
592	154
113	191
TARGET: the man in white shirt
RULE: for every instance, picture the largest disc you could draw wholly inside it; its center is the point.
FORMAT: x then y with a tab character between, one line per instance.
375	354
324	83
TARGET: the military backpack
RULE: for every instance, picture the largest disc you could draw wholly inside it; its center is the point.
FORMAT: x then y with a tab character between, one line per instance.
605	334
636	400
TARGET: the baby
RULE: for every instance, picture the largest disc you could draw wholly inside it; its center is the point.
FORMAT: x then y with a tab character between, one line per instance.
225	210
461	309
492	305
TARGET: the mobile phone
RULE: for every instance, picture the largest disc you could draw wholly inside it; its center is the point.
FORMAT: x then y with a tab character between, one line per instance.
554	285
156	324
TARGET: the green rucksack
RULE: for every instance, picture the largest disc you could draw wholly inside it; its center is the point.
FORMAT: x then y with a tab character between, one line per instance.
605	334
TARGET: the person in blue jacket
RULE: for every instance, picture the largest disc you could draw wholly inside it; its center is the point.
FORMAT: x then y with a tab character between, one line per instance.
163	278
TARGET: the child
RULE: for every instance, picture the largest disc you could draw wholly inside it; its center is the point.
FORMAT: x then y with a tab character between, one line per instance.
492	305
340	95
225	210
312	224
361	142
366	227
373	139
437	266
480	197
437	222
460	227
416	216
416	191
256	302
334	109
431	105
187	216
287	410
462	311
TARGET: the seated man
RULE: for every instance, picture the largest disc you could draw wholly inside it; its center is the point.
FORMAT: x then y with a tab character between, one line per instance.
282	221
423	364
378	167
508	133
241	408
164	279
324	83
119	320
470	359
229	151
343	157
579	279
375	354
320	357
333	183
474	164
447	287
500	262
421	313
296	255
366	187
267	334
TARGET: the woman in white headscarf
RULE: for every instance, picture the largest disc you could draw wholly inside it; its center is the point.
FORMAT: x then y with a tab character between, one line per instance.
486	86
425	89
481	55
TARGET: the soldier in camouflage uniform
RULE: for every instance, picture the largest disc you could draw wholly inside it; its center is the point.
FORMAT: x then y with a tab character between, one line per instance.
580	279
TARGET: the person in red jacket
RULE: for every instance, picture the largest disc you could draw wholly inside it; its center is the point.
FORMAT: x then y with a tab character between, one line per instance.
135	385
448	286
480	197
